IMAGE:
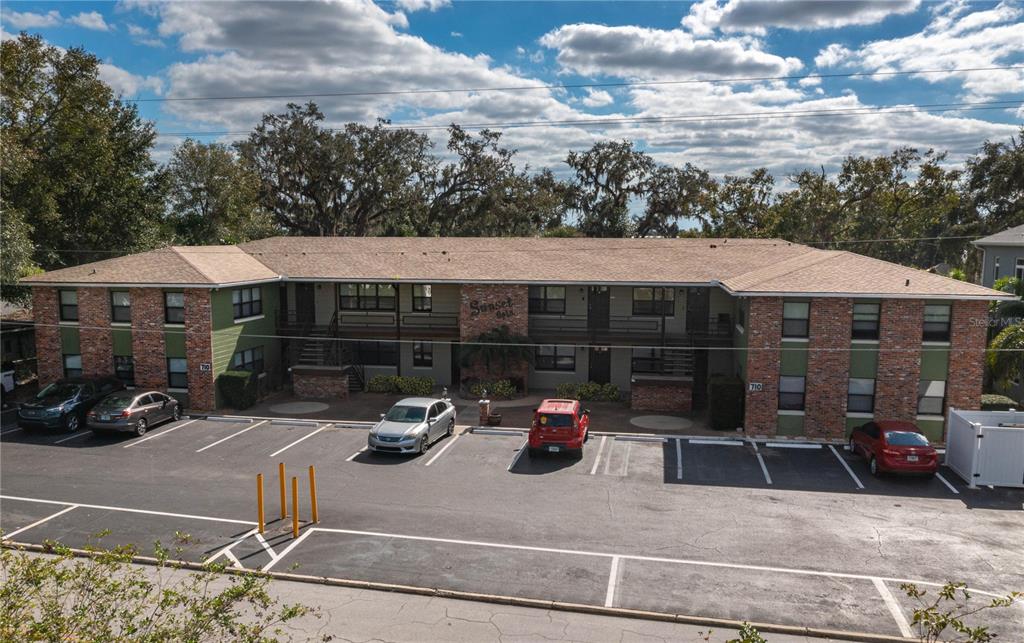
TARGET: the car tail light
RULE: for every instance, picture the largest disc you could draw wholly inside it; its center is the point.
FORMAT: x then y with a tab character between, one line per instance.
892	453
126	413
91	414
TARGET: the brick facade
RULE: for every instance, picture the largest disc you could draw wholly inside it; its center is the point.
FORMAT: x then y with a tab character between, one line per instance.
148	346
320	384
95	338
199	349
672	396
46	314
763	354
484	307
968	335
899	359
828	367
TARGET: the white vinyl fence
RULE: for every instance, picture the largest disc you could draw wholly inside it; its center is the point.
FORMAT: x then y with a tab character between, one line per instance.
986	447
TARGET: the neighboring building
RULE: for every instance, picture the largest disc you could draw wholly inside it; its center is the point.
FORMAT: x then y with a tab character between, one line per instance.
17	340
1003	256
823	339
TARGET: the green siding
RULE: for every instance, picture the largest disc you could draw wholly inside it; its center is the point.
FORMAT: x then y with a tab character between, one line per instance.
793	359
853	423
122	340
229	337
69	344
174	340
931	428
934	362
864	360
791	425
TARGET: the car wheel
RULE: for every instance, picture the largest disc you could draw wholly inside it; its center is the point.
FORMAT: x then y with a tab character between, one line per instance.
424	444
176	413
71	422
140	427
853	447
451	428
586	437
873	467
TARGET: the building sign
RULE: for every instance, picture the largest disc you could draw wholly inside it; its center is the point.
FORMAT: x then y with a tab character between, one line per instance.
205	367
502	309
755	387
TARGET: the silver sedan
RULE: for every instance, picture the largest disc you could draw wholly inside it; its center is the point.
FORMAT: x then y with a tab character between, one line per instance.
412	425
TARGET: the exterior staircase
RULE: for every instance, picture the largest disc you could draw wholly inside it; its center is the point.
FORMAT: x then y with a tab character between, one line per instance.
678	359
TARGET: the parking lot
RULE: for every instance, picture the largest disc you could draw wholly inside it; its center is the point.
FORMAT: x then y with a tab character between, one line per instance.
783	532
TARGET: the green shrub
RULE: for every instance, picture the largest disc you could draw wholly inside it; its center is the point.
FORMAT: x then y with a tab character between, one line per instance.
238	388
496	390
725	403
567	390
588	391
995	402
420	386
610	392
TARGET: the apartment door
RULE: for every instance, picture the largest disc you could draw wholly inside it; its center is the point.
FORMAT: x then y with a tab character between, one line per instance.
600	364
598	309
305	303
698	310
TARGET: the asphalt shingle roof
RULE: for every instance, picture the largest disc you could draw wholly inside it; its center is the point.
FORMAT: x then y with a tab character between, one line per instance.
1008	237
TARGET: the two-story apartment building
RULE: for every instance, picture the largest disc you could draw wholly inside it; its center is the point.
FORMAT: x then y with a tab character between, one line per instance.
1003	256
821	339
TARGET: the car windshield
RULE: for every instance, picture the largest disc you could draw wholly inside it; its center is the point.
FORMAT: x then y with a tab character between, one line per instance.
906	439
555	419
58	391
406	414
116	401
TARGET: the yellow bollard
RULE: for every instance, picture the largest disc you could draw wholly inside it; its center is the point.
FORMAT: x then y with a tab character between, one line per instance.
312	494
280	477
259	499
295	507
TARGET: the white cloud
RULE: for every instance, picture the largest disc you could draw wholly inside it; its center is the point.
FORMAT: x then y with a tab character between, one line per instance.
143	36
90	20
640	52
832	55
455	34
597	98
125	83
29	20
755	16
419	5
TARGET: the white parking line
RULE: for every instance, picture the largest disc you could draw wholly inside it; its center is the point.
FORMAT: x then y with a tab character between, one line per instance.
600	450
638	438
443	449
305	437
128	510
846	466
946	482
356	454
227	550
157	435
792	445
894	608
613	579
625	461
81	434
679	459
39	522
270	550
522	450
248	428
295	543
234	560
496	432
760	460
10	431
726	443
608	458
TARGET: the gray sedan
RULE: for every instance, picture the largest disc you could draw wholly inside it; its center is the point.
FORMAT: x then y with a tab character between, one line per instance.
412	425
132	411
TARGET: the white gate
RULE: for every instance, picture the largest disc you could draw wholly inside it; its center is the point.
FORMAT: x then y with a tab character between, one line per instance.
986	447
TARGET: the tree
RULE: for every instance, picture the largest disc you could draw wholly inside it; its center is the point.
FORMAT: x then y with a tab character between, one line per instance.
945	617
76	161
742	206
677	194
212	197
608	177
498	349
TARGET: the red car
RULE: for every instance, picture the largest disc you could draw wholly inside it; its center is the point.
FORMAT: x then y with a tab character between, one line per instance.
892	446
559	425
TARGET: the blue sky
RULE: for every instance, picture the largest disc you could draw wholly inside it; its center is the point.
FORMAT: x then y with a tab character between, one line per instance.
153	50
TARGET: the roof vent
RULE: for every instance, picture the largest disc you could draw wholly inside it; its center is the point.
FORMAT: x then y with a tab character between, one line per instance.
712	246
907	283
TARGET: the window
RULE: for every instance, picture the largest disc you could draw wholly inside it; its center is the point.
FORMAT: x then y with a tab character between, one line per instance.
547	299
372	353
120	306
422	300
177	372
555	358
794	318
247	302
861	397
367	296
422	354
865	321
931	397
124	369
250	359
936	323
647	360
791	393
174	307
69	305
72	366
1018	271
653	301
995	272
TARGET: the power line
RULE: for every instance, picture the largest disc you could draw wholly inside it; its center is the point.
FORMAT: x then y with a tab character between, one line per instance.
512	88
677	118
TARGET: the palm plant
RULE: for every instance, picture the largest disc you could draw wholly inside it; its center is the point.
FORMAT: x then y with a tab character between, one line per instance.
499	348
1006	354
1009	312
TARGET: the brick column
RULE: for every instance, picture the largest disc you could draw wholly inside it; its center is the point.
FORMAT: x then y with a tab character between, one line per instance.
97	345
199	349
828	367
45	313
485	307
899	359
763	356
968	337
148	348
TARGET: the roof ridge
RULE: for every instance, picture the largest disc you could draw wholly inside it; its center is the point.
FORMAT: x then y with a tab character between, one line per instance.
784	262
176	250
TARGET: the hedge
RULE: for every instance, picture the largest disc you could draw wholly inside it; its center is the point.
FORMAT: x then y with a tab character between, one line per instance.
588	391
496	390
726	398
995	402
238	388
420	386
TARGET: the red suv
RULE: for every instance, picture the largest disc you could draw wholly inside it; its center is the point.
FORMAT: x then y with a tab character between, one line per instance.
559	425
894	446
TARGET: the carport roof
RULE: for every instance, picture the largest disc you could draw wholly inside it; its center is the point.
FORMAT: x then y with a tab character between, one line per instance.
741	266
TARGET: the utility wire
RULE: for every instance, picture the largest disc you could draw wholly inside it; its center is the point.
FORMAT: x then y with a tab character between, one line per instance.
513	88
677	118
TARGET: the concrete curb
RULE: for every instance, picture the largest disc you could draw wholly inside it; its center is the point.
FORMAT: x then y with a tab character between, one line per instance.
579	608
281	420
